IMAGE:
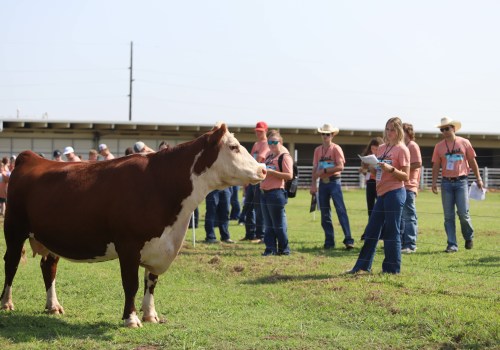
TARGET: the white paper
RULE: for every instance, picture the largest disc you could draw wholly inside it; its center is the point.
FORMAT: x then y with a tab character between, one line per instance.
370	159
476	193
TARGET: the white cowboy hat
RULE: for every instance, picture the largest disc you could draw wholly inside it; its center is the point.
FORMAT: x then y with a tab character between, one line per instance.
328	129
445	121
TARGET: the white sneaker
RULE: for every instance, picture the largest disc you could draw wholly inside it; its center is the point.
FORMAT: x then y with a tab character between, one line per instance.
408	250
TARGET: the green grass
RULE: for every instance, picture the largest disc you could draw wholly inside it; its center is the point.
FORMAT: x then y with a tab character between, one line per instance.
229	297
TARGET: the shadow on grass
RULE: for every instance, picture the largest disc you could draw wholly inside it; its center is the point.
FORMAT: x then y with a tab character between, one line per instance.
278	278
22	328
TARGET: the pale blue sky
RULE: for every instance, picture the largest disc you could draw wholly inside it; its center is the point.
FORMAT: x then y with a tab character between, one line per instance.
292	63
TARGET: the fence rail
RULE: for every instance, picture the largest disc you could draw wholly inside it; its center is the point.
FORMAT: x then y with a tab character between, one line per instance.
351	178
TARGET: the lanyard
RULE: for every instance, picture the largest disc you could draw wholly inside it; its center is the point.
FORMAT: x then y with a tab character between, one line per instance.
452	148
386	152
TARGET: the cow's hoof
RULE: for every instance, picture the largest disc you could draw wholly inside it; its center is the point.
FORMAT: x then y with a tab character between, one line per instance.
55	310
9	306
151	319
133	322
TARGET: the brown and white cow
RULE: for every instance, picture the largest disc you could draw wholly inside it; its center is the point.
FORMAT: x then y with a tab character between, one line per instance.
136	208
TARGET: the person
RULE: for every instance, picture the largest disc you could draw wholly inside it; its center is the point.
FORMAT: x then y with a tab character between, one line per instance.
235	203
93	155
164	144
105	153
141	147
4	180
12	163
328	163
129	151
455	157
69	152
409	219
392	170
57	155
217	214
365	169
273	197
252	212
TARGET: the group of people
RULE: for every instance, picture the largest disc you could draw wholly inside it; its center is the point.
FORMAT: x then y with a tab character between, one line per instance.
103	152
6	168
392	183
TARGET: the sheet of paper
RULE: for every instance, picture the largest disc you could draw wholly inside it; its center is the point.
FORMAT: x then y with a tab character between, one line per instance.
475	193
370	159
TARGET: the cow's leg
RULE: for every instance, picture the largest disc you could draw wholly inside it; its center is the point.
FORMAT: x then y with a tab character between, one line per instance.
148	302
14	241
48	265
129	266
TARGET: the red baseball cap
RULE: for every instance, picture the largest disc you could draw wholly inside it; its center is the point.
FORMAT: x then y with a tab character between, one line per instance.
261	126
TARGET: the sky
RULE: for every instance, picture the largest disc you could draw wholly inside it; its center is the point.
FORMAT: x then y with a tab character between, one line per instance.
353	64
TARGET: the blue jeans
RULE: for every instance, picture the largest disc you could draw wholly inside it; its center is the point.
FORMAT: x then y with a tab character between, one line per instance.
254	222
456	194
386	215
333	190
217	203
273	210
409	223
235	203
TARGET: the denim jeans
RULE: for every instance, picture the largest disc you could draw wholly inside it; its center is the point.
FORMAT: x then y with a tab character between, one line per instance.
409	223
371	195
333	190
455	193
275	232
254	222
217	203
235	203
386	215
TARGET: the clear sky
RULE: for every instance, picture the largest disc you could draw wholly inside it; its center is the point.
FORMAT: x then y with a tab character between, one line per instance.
350	63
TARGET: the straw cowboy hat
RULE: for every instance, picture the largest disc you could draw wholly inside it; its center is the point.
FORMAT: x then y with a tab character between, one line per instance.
328	129
448	121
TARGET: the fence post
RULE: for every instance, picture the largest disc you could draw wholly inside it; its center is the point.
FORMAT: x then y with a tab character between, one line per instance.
485	177
422	180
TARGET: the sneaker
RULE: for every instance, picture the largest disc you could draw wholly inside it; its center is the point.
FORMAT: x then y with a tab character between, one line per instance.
247	239
257	240
229	241
241	223
408	250
349	246
211	241
328	247
357	272
451	249
469	244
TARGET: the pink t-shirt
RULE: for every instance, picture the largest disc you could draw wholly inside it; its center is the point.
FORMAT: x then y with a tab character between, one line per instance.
260	150
398	156
328	158
272	182
453	156
415	157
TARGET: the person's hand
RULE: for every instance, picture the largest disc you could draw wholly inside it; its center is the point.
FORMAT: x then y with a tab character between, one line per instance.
480	184
434	189
313	190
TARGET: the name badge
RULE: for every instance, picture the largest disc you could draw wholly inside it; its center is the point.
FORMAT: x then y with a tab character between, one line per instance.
451	159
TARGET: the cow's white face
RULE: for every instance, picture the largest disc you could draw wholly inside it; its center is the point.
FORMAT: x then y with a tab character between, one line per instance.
235	166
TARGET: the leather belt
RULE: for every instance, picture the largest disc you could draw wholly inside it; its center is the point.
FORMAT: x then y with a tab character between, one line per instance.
454	179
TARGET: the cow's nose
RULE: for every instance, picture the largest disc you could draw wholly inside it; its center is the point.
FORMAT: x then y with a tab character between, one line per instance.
263	171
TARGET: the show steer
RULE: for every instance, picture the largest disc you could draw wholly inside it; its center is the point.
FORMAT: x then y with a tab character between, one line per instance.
136	208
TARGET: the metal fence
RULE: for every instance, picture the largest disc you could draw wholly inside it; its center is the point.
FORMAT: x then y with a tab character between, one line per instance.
351	178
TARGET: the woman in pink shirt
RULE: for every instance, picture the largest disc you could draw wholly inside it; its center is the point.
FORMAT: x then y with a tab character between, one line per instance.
273	196
391	172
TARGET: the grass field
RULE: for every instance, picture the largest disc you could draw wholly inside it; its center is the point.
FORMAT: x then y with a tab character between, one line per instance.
229	297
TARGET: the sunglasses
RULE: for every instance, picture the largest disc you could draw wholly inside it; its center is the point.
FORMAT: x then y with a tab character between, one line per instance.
272	142
445	129
326	134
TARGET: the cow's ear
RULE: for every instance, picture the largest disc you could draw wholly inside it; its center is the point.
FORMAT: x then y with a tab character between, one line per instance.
217	133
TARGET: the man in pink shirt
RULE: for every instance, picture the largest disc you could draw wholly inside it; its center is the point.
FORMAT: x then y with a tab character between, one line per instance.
455	157
409	223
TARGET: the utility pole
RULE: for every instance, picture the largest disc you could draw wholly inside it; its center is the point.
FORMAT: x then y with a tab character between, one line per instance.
131	80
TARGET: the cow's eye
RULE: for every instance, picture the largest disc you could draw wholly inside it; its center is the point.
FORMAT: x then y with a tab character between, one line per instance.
234	148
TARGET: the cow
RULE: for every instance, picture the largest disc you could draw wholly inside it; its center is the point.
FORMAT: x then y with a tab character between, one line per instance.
135	208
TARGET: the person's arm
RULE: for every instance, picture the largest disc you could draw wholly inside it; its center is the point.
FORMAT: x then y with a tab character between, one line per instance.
402	174
415	165
475	169
435	172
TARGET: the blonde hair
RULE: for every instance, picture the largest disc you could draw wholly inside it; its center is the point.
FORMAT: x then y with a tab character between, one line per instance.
275	133
398	126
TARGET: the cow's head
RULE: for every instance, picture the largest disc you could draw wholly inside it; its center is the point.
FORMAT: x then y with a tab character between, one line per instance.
230	163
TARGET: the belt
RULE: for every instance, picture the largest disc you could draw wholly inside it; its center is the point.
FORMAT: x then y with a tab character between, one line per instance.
267	191
454	179
326	180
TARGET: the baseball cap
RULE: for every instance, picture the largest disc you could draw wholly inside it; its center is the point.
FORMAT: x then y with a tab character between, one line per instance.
102	146
68	150
261	126
56	153
139	146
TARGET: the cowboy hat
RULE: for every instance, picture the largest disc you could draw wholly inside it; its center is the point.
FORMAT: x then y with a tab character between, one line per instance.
445	121
328	129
